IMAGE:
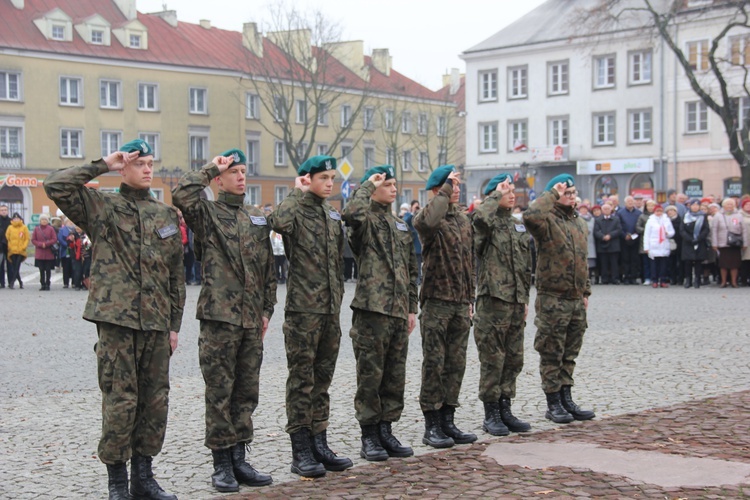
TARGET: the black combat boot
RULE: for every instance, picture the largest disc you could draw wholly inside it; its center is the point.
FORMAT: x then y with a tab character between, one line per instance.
450	429
688	282
372	450
555	410
392	446
244	472
118	481
493	424
303	461
571	407
514	423
223	477
326	456
433	432
142	482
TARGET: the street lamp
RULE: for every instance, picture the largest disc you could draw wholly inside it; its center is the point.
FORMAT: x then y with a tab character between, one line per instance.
170	176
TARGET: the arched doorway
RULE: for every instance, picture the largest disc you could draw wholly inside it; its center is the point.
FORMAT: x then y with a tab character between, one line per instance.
606	185
642	184
13	197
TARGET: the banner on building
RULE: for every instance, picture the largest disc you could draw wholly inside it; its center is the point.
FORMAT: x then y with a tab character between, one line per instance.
629	166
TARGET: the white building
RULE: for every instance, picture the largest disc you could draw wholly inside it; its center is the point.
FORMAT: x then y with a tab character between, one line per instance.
545	97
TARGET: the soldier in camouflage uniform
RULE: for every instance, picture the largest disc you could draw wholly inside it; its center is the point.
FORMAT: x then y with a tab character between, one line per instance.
447	298
563	289
314	244
136	298
502	246
234	306
385	307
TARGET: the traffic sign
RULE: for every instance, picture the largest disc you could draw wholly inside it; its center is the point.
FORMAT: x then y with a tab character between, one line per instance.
345	168
532	195
346	190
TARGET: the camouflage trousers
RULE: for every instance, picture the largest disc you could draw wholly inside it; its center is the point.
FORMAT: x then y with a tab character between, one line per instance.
380	345
445	335
498	332
312	347
230	357
560	325
133	369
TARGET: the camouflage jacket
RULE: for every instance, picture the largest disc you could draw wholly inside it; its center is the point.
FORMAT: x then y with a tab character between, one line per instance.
239	280
502	246
445	232
314	245
386	260
561	239
137	276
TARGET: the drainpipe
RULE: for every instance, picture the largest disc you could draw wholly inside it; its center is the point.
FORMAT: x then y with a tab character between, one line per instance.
675	124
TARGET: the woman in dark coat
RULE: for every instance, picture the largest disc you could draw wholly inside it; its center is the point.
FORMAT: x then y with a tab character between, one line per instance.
694	231
44	238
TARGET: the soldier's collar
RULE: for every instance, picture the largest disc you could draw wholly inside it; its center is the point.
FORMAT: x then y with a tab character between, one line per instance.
504	212
236	200
313	198
379	207
131	192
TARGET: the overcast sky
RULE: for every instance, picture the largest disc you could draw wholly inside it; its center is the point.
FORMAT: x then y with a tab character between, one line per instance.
424	36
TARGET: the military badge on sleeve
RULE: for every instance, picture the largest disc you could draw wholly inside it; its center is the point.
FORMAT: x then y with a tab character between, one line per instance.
401	226
334	215
167	231
258	220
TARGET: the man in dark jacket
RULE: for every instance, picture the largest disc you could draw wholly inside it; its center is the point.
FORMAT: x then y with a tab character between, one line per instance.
630	259
4	223
607	232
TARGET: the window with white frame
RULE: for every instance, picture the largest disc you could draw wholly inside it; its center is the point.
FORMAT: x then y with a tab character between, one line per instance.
424	161
135	41
557	74
423	121
346	151
696	117
368	118
198	100
488	137
640	67
407	195
697	54
252	195
741	111
423	197
97	37
442	156
252	106
604	129
442	126
10	147
198	151
322	149
280	193
557	131
110	142
71	141
389	119
390	156
301	111
346	115
302	149
739	53
70	91
109	94
252	152
153	140
518	82
58	32
639	126
406	122
604	72
406	163
148	97
369	157
518	135
488	86
279	154
10	86
323	114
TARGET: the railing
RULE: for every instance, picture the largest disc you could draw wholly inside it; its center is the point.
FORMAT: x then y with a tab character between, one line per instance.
11	161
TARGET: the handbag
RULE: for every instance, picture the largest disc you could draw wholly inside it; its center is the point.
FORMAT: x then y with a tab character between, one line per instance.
734	239
55	247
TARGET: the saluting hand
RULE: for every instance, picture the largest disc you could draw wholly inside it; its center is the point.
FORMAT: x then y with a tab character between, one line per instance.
303	182
504	187
455	177
377	179
117	160
560	187
222	162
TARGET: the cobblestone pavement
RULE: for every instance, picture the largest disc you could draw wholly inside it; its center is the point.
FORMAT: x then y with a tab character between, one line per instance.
644	349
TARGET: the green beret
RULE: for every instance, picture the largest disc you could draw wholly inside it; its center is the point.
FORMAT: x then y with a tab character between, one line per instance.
316	164
388	170
439	175
238	157
138	145
566	178
495	181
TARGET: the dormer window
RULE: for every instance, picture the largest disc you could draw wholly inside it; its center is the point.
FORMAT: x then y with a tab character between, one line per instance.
133	35
97	37
135	41
55	25
58	32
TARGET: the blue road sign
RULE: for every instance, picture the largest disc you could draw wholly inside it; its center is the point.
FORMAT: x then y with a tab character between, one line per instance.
346	190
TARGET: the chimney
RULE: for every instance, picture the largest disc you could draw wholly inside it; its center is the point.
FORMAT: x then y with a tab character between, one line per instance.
381	59
127	7
296	43
455	81
252	39
351	54
18	4
205	24
170	16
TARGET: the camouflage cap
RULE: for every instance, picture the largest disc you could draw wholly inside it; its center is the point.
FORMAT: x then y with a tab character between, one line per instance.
388	170
439	175
316	164
492	185
137	145
566	178
237	156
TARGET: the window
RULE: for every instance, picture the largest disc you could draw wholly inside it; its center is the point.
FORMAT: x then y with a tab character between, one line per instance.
518	135
10	86
422	123
152	138
406	165
487	86
97	37
389	119
639	126
109	94
697	54
346	115
322	149
279	108
604	129
281	192
70	143
604	72
558	78
442	126
252	106
198	104
423	197
148	97
406	122
198	151
301	111
135	41
252	195
442	156
279	154
518	82
323	114
369	157
346	151
390	156
557	129
368	118
110	142
253	155
741	111
488	137
424	161
10	147
58	32
407	195
640	67
70	91
739	54
696	117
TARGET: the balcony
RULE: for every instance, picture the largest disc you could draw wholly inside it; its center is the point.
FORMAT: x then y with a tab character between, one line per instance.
11	161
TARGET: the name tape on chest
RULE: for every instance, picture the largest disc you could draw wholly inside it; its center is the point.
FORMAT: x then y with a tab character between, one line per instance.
334	215
167	231
520	228
258	220
401	226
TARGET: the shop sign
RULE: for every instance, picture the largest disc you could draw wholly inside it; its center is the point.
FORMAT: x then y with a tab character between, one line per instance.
12	180
693	188
629	166
733	187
